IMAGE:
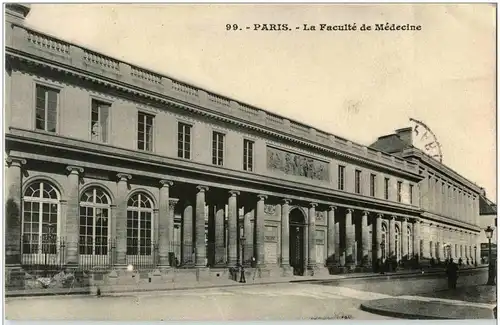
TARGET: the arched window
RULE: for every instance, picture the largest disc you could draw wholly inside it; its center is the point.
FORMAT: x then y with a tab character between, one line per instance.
139	224
397	242
40	217
410	242
384	241
94	220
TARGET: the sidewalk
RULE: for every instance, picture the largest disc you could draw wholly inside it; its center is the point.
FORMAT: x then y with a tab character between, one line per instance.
213	283
471	302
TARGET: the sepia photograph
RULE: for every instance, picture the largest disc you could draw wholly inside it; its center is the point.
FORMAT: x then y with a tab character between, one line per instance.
250	161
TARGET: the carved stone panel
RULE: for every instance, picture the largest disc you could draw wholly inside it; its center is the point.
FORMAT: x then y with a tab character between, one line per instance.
270	209
297	165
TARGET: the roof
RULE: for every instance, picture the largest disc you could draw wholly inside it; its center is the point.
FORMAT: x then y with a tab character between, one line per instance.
390	144
486	207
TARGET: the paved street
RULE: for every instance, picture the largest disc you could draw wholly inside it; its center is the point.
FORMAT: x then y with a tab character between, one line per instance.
269	302
333	299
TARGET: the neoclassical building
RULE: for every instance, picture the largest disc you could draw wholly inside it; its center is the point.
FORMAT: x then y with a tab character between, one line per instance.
109	164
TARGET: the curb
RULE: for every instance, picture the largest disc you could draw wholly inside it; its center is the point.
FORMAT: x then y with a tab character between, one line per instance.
397	314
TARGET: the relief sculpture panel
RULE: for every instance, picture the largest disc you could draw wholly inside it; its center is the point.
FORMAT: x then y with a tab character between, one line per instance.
297	165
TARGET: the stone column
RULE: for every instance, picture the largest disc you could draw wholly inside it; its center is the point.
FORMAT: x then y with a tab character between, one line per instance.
248	232
404	238
311	244
365	244
13	216
331	237
171	216
378	234
285	234
416	239
349	238
392	236
232	225
260	231
187	235
201	248
164	223
220	230
121	218
73	215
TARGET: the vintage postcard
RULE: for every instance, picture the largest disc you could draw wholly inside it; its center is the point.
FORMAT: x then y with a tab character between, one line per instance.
250	161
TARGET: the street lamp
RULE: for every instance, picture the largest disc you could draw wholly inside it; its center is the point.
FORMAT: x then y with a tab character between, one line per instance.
382	264
242	275
475	255
491	266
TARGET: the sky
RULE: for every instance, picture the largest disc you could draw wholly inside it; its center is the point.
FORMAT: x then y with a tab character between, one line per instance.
355	84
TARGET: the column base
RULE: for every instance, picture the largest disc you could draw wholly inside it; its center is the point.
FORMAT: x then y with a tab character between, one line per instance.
14	277
287	270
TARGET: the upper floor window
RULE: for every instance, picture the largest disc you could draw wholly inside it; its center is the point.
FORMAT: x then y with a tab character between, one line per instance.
341	178
99	121
357	181
400	188
386	188
218	148
47	101
373	179
248	155
184	141
411	193
145	132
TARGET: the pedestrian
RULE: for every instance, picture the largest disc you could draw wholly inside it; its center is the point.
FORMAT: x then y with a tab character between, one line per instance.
452	274
242	276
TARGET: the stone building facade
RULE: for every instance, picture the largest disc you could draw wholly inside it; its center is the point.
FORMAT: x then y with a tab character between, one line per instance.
126	166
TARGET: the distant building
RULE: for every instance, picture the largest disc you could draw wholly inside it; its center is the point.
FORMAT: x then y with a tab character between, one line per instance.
109	164
488	217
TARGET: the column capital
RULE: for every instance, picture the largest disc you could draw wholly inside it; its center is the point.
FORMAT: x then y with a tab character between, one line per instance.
332	207
393	218
202	188
286	201
234	193
172	202
123	177
366	213
380	215
15	161
349	210
313	205
74	170
406	219
261	197
166	183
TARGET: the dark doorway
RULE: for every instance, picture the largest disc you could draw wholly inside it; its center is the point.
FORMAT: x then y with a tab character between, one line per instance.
296	245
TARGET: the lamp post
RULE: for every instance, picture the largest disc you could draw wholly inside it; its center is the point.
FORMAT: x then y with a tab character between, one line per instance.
382	264
242	269
491	266
475	255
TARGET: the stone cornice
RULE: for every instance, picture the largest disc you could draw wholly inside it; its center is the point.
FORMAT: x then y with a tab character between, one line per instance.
109	152
430	217
252	124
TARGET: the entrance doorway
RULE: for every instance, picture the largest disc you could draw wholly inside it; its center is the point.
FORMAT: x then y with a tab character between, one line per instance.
297	243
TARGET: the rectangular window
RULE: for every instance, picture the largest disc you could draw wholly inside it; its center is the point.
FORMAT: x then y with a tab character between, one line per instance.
373	179
145	132
411	193
248	155
357	181
99	121
341	178
400	188
47	101
218	149
184	140
386	188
